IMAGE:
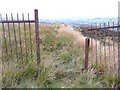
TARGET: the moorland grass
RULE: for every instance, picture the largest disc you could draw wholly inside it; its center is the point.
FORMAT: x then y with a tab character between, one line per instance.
62	63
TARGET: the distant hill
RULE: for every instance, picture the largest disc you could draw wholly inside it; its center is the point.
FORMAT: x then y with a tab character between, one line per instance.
77	22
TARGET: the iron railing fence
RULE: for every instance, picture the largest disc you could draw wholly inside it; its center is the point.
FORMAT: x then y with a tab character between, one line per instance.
20	39
104	45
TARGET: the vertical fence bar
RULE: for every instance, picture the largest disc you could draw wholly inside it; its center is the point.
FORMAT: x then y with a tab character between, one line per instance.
109	60
92	47
100	46
30	38
3	66
104	44
24	27
37	36
96	41
5	42
87	43
9	36
15	38
1	42
20	41
113	38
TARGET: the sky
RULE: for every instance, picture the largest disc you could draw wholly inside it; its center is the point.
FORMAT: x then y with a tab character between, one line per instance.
50	9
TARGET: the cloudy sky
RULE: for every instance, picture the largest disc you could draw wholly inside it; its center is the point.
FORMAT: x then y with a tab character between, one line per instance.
62	8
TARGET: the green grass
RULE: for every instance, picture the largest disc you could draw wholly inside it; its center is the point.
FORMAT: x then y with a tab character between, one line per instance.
61	64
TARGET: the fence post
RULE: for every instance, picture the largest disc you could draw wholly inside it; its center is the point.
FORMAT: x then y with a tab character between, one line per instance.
37	36
87	44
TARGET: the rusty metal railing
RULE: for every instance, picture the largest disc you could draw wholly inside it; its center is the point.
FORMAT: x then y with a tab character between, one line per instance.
104	45
19	37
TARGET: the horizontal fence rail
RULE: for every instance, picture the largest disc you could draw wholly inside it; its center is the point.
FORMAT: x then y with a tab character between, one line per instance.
18	21
20	39
104	27
104	45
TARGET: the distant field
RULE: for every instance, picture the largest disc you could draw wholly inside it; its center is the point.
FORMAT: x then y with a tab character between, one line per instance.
62	61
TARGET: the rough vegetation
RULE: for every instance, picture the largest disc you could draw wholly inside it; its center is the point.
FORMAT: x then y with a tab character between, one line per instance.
62	63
